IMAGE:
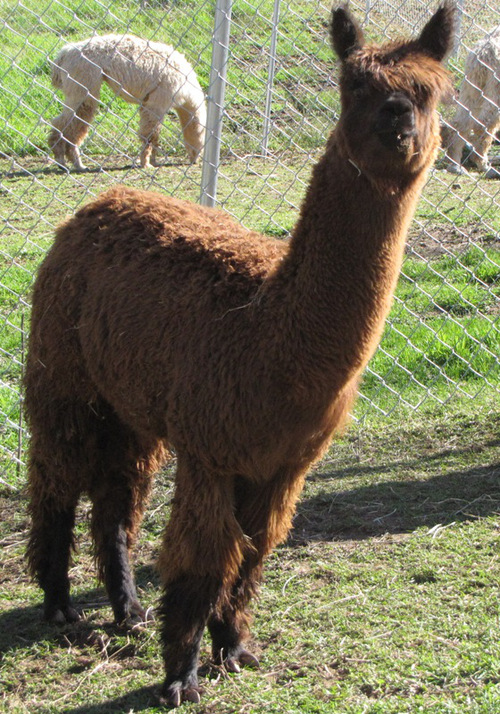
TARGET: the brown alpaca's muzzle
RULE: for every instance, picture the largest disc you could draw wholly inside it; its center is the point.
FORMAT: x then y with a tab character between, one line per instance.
395	122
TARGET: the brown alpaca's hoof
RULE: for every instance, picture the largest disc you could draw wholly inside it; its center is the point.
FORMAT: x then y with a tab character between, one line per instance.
242	659
175	693
63	616
135	618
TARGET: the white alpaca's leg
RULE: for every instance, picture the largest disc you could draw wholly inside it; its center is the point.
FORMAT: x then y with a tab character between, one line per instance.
488	124
193	131
81	85
56	141
69	131
78	130
151	118
459	132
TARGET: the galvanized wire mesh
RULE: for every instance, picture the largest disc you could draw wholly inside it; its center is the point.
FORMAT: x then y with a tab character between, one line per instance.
280	103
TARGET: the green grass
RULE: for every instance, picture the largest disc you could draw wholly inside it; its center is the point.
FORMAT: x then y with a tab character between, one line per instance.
383	600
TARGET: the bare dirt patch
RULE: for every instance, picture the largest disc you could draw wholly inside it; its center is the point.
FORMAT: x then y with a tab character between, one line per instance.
438	239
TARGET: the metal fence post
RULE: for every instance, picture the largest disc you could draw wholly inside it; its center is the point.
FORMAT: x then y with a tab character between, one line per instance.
270	78
216	92
458	30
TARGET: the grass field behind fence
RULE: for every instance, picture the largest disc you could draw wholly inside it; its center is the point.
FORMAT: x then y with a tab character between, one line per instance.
298	110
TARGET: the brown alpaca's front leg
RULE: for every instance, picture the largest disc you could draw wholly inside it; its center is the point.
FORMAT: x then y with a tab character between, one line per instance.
229	627
184	610
264	513
203	549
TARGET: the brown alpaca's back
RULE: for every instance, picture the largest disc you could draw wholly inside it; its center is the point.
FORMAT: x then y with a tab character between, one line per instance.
116	273
159	324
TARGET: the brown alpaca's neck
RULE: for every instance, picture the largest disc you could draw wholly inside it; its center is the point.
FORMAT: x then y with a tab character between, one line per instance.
342	267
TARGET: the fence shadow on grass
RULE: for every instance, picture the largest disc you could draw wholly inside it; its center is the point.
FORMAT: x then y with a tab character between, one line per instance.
396	506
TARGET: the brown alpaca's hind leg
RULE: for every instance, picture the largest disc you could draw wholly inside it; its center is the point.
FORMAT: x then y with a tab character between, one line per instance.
49	551
57	474
265	514
119	492
203	549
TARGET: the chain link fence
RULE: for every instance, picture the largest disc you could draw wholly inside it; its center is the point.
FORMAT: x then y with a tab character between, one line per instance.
279	104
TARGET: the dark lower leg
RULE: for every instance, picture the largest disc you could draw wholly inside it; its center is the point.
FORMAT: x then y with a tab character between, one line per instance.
264	514
119	494
118	578
229	627
184	609
49	552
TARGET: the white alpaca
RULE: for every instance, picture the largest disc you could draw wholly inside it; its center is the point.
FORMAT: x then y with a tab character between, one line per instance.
477	117
151	74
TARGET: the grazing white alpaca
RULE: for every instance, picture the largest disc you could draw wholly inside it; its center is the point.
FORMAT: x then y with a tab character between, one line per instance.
477	117
151	74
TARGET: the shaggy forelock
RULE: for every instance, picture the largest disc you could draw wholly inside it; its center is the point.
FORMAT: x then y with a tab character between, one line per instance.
399	67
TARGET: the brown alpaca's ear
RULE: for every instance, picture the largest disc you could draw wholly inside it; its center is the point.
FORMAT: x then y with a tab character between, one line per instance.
345	32
437	37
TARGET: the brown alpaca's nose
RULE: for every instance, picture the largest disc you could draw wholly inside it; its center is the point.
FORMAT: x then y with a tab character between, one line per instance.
396	120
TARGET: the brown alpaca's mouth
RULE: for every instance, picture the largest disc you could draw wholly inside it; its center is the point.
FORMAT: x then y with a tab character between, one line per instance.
397	140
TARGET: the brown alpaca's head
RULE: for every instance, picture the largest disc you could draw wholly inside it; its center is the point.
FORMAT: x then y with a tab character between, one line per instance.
389	93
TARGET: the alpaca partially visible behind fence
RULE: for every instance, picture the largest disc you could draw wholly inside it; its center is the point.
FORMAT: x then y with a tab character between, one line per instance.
151	74
477	117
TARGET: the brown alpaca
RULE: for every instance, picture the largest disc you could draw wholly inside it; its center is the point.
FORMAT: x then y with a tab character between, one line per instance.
160	323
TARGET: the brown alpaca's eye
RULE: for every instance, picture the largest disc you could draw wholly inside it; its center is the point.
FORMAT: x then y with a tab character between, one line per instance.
420	92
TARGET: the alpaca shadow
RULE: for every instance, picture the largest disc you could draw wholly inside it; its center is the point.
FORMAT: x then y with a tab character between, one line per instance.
140	699
397	507
24	626
407	464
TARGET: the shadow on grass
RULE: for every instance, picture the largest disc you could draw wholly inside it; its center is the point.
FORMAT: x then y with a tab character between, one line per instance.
136	701
24	626
382	467
396	506
52	169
